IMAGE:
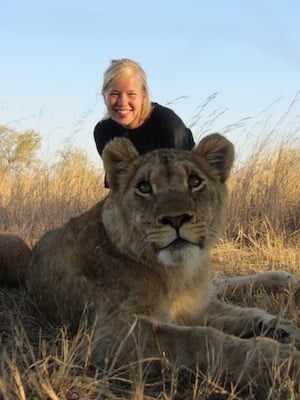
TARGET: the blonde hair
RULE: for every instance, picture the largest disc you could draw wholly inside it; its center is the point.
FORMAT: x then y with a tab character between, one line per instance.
124	67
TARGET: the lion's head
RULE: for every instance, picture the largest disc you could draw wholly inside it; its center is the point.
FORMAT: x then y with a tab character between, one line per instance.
167	205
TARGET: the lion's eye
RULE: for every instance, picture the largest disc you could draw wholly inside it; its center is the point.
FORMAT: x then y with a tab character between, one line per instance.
144	188
195	182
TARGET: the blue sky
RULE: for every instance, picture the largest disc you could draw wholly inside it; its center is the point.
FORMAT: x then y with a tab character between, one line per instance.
229	66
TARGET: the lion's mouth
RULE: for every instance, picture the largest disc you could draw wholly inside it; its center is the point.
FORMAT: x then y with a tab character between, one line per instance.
179	243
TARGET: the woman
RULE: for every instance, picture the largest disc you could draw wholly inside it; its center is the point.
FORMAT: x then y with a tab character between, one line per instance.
131	114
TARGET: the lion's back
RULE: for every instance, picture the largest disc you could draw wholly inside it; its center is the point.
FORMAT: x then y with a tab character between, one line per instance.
14	258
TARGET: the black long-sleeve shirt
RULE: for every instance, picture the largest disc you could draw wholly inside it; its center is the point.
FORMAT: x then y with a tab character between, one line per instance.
163	129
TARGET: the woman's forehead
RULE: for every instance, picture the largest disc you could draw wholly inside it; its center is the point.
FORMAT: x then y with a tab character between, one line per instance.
126	82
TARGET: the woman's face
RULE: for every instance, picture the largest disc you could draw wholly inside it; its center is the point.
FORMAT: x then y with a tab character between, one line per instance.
124	100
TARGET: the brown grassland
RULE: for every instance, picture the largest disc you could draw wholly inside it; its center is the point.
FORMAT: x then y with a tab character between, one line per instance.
38	361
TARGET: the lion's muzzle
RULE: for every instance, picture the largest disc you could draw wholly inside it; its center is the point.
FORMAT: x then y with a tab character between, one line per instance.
176	221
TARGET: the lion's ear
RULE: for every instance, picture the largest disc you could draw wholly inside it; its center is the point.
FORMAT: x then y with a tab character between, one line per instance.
118	157
218	152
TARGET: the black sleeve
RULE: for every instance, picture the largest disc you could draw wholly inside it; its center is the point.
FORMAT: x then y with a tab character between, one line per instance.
183	138
102	135
177	135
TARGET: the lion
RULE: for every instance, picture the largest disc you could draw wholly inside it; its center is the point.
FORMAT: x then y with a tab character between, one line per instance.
138	266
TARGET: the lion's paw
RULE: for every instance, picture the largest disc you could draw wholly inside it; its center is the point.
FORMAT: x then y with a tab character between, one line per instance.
266	364
282	330
280	357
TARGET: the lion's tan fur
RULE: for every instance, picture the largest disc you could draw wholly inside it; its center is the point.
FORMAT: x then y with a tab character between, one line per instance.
138	263
14	258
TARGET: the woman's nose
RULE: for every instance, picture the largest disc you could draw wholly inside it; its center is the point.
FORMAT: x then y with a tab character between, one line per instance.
122	99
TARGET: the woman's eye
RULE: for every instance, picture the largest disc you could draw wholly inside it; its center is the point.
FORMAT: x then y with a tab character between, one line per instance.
144	187
194	181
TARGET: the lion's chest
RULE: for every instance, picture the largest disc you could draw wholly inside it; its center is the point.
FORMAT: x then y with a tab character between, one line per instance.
132	288
140	289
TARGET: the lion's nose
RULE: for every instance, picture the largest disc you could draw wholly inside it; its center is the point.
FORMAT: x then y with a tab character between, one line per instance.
175	221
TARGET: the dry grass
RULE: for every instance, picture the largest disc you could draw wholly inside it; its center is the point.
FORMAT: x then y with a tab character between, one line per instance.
264	197
33	202
38	361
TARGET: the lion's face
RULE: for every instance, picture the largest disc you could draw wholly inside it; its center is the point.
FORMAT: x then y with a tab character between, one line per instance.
168	205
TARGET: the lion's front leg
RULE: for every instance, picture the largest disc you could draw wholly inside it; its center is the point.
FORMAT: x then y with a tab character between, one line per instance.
251	365
247	322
